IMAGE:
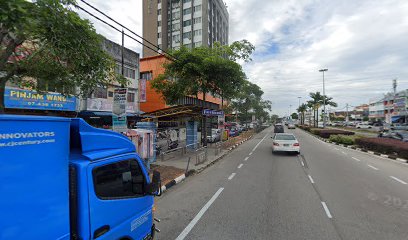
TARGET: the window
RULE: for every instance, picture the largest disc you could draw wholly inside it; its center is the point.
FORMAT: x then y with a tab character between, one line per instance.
130	97
159	35
146	75
198	44
129	73
187	11
187	35
119	180
158	1
176	26
159	23
158	11
197	32
100	92
187	23
176	38
186	1
176	15
197	20
110	93
197	8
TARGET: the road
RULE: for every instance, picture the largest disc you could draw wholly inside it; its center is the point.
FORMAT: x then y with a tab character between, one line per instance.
328	192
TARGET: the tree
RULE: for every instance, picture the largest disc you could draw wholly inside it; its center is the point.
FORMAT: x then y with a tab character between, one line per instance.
44	43
294	115
314	104
328	101
302	109
204	70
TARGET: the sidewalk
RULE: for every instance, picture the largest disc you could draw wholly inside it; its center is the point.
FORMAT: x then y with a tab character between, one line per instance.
177	165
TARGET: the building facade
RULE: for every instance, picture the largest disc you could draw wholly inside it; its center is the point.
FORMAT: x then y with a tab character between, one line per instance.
97	107
150	68
169	24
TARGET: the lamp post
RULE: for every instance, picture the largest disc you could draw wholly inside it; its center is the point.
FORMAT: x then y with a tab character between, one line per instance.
324	98
298	109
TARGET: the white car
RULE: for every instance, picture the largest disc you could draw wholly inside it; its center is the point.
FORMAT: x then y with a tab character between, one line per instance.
285	142
363	126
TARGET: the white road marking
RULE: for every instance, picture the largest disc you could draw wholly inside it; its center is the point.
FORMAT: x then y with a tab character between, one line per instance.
358	160
231	176
344	152
250	153
240	165
303	164
326	209
246	158
337	149
398	180
311	179
193	222
371	166
259	143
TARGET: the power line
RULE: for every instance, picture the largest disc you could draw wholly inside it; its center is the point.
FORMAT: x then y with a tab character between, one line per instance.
115	28
113	20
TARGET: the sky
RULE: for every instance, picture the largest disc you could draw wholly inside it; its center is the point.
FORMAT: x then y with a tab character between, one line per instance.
363	44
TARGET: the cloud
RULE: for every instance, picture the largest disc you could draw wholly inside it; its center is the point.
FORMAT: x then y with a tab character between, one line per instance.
362	43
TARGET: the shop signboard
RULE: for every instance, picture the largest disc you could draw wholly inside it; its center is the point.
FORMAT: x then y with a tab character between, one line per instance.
119	121
31	99
142	90
209	112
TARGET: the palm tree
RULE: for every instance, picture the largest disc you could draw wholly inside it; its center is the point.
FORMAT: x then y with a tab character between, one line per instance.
315	104
328	101
302	109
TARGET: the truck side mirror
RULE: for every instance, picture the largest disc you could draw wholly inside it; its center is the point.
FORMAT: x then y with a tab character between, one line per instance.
154	187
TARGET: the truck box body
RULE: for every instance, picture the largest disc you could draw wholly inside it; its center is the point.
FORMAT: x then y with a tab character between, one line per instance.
63	179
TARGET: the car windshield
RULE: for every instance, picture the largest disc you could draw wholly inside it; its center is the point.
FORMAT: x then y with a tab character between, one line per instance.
284	137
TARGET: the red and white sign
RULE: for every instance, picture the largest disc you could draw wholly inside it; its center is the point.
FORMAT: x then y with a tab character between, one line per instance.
142	90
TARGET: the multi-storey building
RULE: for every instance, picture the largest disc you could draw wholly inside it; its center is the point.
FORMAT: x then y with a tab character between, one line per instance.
170	24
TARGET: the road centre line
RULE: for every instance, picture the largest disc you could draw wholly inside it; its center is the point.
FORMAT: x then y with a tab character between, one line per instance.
246	158
303	164
231	176
398	180
240	165
311	179
358	160
193	222
371	166
326	209
250	153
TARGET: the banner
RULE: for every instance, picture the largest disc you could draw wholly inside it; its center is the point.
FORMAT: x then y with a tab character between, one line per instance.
142	90
119	121
30	99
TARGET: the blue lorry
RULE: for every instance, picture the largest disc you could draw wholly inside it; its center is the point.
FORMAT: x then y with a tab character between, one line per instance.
60	178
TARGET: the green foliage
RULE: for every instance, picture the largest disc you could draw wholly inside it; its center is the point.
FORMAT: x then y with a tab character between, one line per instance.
204	70
60	49
294	116
384	145
343	139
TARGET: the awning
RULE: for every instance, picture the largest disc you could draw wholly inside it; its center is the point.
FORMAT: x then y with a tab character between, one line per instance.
396	118
99	114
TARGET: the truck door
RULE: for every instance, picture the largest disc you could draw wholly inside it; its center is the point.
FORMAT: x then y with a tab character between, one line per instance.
118	204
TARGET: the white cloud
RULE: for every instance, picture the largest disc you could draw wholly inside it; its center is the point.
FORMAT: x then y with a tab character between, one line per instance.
362	43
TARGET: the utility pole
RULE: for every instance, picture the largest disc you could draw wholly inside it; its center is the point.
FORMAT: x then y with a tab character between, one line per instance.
347	118
290	111
299	118
324	98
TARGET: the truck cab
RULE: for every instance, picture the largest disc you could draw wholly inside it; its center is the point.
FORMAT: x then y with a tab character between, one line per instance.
63	179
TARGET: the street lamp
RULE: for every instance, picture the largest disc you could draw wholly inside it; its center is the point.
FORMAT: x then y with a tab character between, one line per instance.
298	108
324	98
290	111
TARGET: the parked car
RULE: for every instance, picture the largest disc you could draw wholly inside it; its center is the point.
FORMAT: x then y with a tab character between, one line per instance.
285	142
291	126
399	126
363	126
233	132
215	135
279	128
401	135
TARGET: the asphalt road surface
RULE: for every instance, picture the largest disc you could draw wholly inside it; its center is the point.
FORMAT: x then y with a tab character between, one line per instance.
327	192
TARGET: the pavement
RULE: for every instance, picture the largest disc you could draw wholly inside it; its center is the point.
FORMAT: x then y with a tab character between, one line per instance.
327	192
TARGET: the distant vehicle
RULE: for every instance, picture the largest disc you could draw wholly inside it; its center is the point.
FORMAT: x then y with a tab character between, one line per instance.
278	128
402	136
399	126
215	136
363	126
285	142
291	126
